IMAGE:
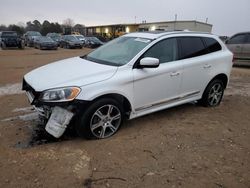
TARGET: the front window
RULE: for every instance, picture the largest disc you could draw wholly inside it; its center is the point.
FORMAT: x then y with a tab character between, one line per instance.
165	51
119	51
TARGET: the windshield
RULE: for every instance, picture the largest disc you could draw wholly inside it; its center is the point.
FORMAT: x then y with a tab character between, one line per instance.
71	38
34	33
94	39
79	37
119	51
45	39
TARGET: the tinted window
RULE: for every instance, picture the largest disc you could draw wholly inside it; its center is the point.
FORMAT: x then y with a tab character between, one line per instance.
191	47
238	39
248	39
165	50
212	44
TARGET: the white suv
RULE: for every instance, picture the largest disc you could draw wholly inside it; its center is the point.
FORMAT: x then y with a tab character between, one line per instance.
131	76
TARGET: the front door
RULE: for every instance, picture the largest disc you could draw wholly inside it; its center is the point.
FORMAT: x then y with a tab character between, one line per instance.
156	86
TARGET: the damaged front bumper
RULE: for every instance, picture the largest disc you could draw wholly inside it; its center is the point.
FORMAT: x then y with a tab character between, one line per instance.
58	121
57	115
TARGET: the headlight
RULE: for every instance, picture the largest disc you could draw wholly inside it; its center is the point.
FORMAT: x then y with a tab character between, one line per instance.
60	94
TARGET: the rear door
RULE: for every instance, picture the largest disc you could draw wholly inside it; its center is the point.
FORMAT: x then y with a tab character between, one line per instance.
196	66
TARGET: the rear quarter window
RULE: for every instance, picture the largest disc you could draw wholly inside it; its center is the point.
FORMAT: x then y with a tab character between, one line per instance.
212	44
191	47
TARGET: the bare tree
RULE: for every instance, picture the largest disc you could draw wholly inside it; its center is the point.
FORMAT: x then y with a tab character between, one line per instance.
69	22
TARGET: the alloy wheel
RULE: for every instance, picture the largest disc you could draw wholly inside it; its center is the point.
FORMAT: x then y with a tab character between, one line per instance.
105	121
215	94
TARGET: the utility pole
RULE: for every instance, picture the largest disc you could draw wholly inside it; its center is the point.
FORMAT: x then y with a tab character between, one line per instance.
175	20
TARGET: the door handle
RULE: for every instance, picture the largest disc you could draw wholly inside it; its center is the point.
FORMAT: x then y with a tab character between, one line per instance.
175	74
207	66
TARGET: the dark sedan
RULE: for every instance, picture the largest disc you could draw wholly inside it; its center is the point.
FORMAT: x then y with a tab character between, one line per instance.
92	42
45	43
70	41
55	37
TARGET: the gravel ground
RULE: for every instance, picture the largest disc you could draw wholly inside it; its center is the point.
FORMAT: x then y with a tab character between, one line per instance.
185	146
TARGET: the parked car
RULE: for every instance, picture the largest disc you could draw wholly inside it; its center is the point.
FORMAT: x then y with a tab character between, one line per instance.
92	42
131	76
55	37
45	43
10	39
29	37
239	44
80	37
70	41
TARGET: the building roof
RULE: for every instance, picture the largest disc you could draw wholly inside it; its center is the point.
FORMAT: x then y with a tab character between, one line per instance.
149	23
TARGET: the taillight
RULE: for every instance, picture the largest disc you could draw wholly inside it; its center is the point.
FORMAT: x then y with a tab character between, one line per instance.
234	58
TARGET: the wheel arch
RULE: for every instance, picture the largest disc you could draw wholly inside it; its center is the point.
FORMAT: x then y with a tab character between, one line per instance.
119	98
223	77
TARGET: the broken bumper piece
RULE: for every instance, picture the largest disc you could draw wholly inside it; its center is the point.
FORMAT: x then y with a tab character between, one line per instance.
58	121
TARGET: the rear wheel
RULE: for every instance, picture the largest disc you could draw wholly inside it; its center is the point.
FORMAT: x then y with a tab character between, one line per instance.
3	45
213	94
101	120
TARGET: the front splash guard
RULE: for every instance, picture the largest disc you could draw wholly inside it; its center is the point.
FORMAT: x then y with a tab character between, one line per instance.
58	121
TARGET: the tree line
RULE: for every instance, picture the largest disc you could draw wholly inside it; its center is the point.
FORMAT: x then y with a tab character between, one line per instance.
43	28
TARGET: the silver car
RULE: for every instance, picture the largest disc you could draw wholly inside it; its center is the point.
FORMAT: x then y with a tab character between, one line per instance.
239	44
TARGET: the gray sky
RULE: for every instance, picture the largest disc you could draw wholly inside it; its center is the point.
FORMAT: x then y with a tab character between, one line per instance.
227	16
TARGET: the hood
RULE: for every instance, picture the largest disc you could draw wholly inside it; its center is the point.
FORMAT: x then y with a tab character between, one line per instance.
69	72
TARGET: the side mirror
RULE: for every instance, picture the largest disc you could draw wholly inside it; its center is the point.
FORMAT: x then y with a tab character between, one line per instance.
149	62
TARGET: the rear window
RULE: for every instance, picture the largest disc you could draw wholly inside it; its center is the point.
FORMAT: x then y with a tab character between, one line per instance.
248	39
237	39
212	44
9	34
191	47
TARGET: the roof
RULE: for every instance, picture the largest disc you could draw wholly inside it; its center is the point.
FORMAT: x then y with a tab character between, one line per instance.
157	34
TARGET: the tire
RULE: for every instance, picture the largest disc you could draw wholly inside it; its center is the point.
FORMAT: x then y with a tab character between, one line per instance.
213	94
3	46
106	114
21	46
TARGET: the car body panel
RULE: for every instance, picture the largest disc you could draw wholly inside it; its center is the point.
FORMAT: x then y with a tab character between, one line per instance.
147	89
69	72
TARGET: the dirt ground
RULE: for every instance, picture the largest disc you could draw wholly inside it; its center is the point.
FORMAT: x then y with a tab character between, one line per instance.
185	146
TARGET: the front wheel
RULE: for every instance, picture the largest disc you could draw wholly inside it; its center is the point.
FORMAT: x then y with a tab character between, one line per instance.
101	120
213	94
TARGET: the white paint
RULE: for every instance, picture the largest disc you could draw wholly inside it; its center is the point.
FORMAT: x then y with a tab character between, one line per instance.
11	89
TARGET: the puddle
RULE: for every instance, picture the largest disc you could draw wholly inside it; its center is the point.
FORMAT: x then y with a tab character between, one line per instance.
39	136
